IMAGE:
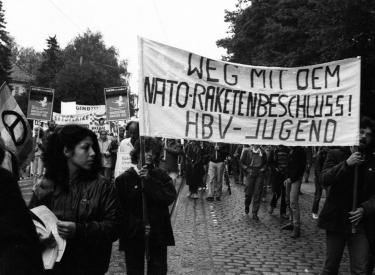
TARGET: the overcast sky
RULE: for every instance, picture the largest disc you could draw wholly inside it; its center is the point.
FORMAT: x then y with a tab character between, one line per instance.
193	25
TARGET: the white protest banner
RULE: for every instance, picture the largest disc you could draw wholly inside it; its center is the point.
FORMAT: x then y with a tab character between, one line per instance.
184	95
95	119
88	108
82	119
68	108
40	103
117	103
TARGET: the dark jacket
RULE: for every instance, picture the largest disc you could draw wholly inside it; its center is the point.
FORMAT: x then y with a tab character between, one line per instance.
19	244
160	193
219	155
95	208
296	163
173	150
337	174
194	155
235	151
319	162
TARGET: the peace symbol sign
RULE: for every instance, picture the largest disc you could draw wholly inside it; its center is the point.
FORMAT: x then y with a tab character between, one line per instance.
18	138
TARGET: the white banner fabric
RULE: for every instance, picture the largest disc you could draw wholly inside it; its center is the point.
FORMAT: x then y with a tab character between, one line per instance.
68	108
184	95
80	109
95	119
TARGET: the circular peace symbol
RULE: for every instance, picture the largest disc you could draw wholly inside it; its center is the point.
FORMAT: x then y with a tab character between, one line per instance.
10	128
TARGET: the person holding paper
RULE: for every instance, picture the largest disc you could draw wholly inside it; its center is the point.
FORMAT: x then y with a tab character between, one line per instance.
337	216
19	244
159	192
85	202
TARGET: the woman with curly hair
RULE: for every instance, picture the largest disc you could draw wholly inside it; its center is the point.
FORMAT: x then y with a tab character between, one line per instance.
160	192
85	202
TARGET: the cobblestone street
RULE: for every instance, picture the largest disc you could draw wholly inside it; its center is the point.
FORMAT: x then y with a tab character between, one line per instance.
218	238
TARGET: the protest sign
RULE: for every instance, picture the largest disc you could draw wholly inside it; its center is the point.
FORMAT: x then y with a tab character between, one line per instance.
88	108
117	103
39	123
184	95
40	103
99	122
14	128
95	119
123	162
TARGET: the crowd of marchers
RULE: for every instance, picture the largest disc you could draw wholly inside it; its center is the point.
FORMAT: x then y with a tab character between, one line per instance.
73	173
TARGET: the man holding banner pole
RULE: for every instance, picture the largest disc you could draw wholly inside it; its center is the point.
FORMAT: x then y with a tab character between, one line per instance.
337	216
145	193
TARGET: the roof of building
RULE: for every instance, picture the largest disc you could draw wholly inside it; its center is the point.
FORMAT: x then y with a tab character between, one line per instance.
20	75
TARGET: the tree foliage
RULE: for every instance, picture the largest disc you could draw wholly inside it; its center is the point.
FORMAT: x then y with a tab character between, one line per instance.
5	52
89	67
27	58
46	75
289	33
81	71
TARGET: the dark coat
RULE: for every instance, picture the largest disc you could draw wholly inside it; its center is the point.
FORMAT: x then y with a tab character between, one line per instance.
319	162
19	244
296	163
337	174
173	150
194	155
219	155
235	151
160	193
278	162
95	208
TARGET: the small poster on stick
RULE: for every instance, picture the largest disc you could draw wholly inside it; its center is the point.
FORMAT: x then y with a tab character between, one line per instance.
117	103
40	103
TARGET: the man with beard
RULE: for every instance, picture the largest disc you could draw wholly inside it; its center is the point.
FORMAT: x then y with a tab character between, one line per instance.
337	216
51	128
121	134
